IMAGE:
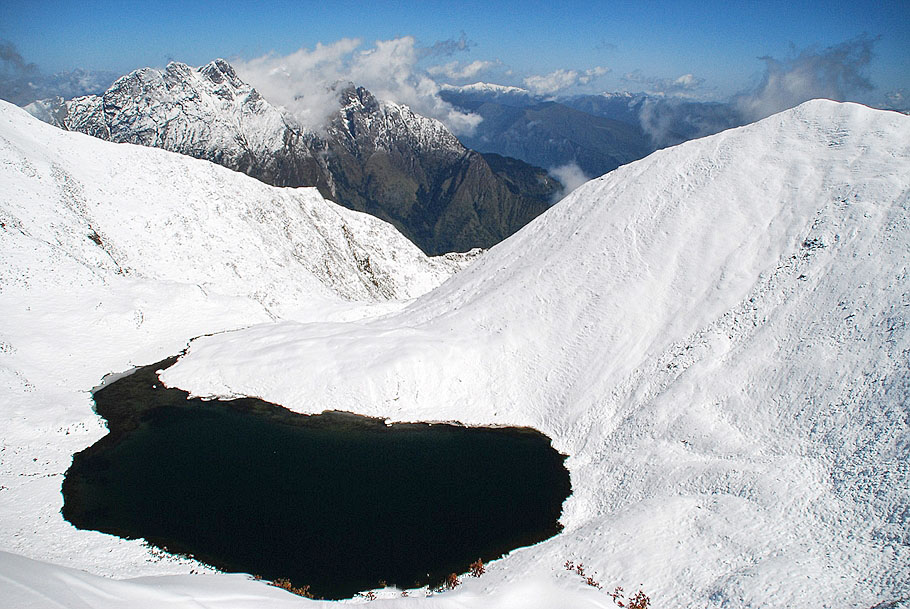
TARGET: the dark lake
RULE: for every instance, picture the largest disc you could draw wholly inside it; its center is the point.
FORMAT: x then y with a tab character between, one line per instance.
335	501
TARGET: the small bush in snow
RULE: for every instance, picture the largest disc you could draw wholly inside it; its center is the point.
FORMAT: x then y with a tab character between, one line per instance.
285	584
477	568
639	601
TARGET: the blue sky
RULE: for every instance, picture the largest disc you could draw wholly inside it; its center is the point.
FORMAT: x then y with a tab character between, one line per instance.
628	45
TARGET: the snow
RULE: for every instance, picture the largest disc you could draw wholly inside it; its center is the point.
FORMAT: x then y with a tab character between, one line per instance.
716	335
115	255
486	87
208	112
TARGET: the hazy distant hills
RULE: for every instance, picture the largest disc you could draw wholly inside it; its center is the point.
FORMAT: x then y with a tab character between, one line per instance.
373	156
550	134
667	121
595	132
30	85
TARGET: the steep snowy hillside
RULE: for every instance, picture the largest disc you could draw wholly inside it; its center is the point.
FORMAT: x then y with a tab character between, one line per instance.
718	337
372	156
159	215
114	255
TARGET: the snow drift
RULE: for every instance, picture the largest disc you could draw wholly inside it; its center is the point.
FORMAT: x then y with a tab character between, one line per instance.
716	335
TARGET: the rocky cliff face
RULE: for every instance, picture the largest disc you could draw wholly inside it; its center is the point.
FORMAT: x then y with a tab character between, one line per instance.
373	156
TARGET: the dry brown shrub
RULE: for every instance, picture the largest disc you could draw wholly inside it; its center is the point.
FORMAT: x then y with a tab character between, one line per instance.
285	584
452	581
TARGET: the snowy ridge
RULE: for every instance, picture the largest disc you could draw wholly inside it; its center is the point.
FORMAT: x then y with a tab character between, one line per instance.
716	335
388	125
487	87
150	213
210	112
181	107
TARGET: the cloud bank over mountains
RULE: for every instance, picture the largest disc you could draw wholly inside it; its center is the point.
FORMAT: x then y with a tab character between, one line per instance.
401	70
307	82
838	72
560	80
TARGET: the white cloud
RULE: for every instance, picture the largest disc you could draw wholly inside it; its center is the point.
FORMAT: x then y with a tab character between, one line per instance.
455	71
305	82
571	176
686	85
593	73
836	72
561	79
687	81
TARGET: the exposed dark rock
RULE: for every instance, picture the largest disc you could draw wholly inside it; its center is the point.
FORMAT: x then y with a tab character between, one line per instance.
377	157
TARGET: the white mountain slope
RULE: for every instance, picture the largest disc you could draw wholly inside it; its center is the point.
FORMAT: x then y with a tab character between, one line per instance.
113	255
156	214
716	335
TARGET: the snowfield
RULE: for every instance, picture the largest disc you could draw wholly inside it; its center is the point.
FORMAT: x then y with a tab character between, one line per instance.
717	335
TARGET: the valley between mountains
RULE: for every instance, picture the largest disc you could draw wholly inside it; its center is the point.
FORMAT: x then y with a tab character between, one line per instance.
716	335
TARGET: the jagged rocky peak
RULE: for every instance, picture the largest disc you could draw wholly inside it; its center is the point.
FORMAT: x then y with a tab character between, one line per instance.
180	82
357	99
385	125
219	71
212	93
374	156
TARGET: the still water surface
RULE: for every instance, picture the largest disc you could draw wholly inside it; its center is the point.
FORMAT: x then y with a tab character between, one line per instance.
335	501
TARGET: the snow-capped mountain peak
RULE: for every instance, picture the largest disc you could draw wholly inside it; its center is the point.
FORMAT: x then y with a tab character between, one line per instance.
383	124
372	156
489	88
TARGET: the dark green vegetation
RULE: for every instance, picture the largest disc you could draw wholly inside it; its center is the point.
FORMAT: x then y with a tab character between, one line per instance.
335	501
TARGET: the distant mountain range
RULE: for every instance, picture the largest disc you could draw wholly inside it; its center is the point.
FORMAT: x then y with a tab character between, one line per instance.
548	133
598	133
373	156
30	85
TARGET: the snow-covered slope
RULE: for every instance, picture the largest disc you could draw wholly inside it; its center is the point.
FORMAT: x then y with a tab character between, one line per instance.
114	255
718	337
166	217
491	91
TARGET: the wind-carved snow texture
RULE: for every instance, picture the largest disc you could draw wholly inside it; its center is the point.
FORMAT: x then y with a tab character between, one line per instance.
716	335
